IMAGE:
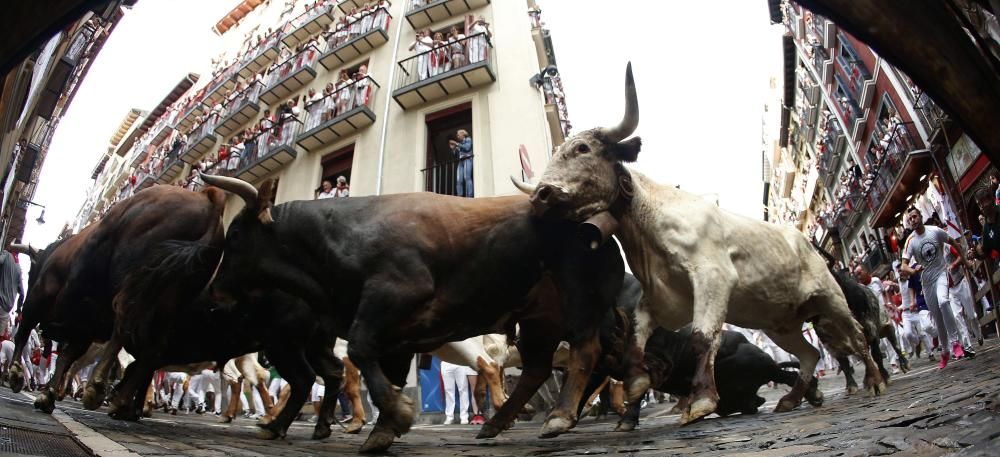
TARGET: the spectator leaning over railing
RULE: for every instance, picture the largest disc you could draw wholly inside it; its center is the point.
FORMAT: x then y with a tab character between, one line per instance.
343	93
329	101
439	55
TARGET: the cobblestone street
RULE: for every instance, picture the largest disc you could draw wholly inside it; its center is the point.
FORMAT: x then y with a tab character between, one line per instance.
926	412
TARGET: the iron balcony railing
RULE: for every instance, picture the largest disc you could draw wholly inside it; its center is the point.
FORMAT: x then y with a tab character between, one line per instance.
875	260
370	20
345	98
820	55
930	113
307	16
445	59
249	94
79	44
304	58
440	177
282	134
266	43
895	147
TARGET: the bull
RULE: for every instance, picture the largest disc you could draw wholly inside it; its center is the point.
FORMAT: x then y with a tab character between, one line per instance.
696	262
406	273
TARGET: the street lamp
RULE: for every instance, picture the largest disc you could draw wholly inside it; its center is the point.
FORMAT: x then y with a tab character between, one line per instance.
41	217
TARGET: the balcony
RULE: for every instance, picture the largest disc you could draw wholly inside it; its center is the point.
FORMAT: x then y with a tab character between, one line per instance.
260	56
307	24
189	112
201	139
170	171
418	82
897	174
273	150
144	180
345	47
223	82
440	177
327	121
239	111
422	13
291	75
346	6
876	261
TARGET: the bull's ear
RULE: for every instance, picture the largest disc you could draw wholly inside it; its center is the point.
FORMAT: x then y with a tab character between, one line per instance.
264	198
628	150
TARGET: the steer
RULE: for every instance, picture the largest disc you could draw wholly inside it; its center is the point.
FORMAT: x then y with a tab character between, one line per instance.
696	262
399	274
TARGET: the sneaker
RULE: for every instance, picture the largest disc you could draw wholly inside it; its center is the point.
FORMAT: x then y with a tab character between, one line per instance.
464	422
969	352
956	349
448	421
980	340
944	361
477	420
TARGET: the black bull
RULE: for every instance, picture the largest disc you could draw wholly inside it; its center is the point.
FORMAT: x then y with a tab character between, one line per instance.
405	273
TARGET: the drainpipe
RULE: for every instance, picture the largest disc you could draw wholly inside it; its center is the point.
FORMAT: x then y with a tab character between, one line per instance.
388	101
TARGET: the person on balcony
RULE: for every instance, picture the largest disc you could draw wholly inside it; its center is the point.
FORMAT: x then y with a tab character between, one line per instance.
362	86
344	95
266	126
314	106
381	19
480	37
439	55
420	46
456	47
343	189
354	18
329	101
461	147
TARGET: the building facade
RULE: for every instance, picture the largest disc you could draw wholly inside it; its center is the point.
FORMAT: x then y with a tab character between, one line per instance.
303	92
36	93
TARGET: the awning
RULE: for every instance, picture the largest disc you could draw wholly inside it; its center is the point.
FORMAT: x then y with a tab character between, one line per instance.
918	163
175	94
236	15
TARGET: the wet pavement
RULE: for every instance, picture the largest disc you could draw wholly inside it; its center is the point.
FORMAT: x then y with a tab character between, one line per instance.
926	412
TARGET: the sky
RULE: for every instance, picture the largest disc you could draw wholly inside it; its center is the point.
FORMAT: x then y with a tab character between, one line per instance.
701	73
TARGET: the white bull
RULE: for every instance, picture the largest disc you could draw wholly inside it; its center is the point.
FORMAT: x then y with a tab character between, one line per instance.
698	263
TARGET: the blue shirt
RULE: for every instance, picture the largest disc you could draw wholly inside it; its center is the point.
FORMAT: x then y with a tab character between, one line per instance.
465	148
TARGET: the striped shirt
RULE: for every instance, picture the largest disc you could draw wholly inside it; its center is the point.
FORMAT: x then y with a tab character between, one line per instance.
10	281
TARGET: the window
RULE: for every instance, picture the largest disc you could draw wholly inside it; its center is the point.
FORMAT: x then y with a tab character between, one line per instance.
854	68
335	165
845	101
442	173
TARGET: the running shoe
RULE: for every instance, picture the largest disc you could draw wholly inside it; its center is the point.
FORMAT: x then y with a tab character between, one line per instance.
956	349
944	361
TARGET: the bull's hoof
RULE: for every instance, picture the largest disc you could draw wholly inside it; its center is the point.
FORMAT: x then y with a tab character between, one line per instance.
786	405
555	426
264	420
354	427
636	387
625	426
697	410
16	380
880	388
904	365
93	397
814	397
528	409
226	419
378	440
489	430
45	402
851	390
321	432
266	434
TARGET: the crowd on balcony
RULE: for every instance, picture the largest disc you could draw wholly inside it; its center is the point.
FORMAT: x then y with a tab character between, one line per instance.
358	22
550	82
437	53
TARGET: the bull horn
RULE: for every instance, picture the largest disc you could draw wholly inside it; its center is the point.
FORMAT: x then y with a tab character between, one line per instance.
24	249
631	119
245	190
523	186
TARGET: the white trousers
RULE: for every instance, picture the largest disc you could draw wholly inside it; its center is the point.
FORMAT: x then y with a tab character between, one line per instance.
936	296
454	376
960	297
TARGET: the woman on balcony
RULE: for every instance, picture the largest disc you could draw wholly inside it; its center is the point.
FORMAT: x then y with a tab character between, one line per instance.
361	86
381	20
456	47
355	20
344	96
329	102
439	55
